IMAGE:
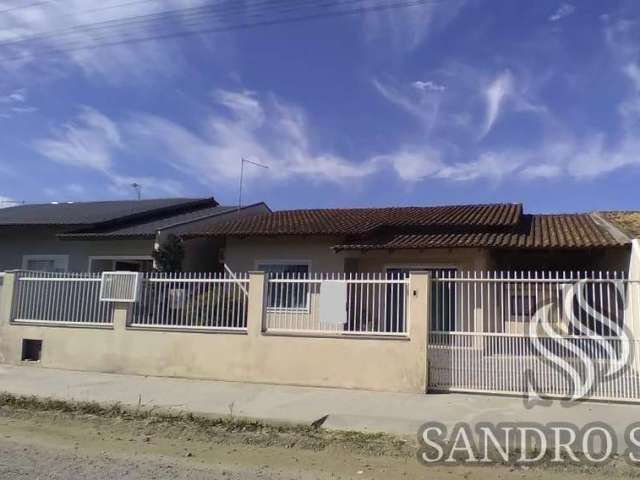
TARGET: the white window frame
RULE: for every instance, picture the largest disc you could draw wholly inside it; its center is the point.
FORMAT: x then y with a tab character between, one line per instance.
306	308
116	258
63	259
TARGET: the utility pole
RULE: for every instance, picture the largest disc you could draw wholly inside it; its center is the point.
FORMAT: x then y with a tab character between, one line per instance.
138	188
242	162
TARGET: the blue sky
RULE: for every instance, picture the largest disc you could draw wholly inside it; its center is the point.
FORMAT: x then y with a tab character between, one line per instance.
453	101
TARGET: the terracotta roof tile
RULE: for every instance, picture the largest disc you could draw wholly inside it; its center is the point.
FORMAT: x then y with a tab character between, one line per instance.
354	221
493	226
535	231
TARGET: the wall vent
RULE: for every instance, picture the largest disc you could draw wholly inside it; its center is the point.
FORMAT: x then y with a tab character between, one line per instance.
120	286
31	350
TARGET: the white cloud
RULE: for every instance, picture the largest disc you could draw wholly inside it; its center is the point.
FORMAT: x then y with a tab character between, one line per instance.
91	142
542	170
406	28
267	131
420	103
17	96
495	95
6	202
54	39
24	109
15	103
632	71
428	85
489	165
579	158
595	157
564	10
412	165
503	93
420	163
87	142
564	157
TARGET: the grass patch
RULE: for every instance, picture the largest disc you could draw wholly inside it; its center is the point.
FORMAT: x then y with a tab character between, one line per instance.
142	420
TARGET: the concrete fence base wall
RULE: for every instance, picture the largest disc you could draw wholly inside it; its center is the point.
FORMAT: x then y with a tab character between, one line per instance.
382	363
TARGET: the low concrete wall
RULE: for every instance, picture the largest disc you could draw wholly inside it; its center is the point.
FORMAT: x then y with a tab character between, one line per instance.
384	364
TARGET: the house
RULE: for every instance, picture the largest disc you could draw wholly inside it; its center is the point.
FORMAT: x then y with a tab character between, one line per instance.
492	293
628	222
499	237
109	235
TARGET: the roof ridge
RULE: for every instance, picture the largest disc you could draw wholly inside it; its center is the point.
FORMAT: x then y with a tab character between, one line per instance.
394	207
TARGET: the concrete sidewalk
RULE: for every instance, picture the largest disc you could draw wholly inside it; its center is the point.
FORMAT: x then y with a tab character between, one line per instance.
396	413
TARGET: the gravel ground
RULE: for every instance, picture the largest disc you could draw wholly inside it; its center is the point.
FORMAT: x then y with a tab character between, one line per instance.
57	445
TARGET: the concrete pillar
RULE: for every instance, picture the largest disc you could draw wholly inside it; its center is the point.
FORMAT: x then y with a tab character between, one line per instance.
419	319
6	298
121	316
632	306
256	310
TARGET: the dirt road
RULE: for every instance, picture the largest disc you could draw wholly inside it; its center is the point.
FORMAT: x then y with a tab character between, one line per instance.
65	445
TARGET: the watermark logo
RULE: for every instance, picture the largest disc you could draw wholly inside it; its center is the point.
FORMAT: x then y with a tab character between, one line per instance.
575	346
586	344
524	443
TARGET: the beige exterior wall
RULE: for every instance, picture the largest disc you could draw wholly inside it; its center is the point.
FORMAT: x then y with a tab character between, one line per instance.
242	255
385	364
460	258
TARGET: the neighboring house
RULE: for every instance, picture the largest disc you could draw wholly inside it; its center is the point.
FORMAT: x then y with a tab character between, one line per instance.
109	235
627	221
471	237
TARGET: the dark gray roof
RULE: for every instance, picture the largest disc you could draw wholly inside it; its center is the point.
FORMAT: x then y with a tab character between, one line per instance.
188	223
95	213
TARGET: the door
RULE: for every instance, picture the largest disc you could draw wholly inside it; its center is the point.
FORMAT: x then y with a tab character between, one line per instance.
443	301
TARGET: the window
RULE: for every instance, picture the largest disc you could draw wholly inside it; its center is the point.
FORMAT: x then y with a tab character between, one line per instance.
290	295
120	264
45	263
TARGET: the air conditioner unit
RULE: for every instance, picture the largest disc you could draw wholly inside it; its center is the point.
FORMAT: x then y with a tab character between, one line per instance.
120	286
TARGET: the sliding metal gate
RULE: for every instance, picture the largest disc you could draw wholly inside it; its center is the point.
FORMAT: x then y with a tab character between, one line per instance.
557	334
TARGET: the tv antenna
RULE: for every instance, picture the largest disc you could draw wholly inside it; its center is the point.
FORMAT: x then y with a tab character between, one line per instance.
138	188
242	162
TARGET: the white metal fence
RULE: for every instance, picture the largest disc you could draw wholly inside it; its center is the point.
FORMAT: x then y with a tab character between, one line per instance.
193	301
364	303
555	332
59	298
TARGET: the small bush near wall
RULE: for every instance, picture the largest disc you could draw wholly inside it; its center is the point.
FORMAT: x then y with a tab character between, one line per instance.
170	255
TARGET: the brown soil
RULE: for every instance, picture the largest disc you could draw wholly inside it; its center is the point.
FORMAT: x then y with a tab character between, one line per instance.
67	443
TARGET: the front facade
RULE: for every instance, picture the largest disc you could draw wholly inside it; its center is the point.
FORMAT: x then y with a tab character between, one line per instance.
405	299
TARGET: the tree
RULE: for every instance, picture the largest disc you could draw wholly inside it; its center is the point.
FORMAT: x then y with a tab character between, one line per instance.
169	255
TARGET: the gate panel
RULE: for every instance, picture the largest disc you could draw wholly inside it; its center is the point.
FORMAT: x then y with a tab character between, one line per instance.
558	334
